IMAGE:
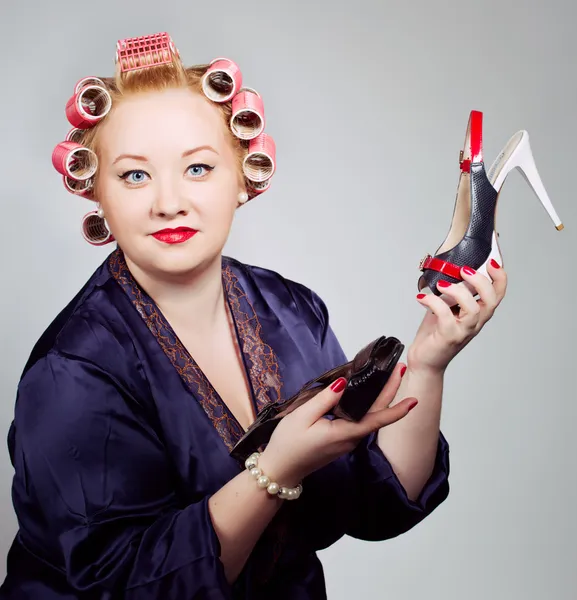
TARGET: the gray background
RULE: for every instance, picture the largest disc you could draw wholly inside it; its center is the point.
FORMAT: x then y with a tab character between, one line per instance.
368	103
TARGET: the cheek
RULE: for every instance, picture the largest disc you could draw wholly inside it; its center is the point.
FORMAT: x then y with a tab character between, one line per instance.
216	201
124	209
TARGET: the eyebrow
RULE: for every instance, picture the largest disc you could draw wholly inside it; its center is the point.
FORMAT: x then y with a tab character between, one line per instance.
184	154
198	149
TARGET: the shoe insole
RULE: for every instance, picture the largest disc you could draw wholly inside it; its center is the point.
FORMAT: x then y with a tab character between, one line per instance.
462	211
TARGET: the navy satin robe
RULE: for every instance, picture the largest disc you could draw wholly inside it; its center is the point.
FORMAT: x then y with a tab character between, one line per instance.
119	440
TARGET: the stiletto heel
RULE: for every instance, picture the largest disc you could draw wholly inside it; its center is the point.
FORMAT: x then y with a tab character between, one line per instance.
522	158
472	239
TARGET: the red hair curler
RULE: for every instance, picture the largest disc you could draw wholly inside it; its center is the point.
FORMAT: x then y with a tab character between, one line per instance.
247	121
94	229
145	51
75	161
222	80
89	105
259	164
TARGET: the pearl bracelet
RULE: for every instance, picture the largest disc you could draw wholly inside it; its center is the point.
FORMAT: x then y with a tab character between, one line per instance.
264	482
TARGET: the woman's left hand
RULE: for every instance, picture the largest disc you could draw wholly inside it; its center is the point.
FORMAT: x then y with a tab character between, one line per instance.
444	332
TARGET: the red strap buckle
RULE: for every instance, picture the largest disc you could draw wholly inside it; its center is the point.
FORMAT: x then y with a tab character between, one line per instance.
437	264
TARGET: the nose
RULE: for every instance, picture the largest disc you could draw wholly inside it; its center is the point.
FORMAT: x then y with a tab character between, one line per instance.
169	202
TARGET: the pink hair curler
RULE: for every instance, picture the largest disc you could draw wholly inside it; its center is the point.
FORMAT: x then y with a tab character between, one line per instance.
75	135
82	188
259	164
255	188
94	229
247	121
75	161
145	51
89	105
86	81
222	80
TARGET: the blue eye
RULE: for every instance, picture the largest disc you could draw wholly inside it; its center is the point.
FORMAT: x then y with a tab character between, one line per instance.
137	176
134	177
199	170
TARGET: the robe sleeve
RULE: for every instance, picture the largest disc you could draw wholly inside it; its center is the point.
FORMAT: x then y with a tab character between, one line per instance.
378	507
99	473
381	508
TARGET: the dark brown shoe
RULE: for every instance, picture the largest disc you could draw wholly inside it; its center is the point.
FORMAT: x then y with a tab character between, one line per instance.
366	376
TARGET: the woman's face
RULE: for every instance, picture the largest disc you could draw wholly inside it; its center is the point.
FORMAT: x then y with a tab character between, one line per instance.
166	162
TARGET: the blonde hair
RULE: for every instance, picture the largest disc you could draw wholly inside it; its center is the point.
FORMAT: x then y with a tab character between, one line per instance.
157	78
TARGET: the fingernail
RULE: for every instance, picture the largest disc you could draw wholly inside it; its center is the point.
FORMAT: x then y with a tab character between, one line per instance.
444	283
413	404
339	385
421	296
403	369
495	264
469	271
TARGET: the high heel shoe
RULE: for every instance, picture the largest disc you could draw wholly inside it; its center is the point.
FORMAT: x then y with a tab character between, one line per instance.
472	240
366	376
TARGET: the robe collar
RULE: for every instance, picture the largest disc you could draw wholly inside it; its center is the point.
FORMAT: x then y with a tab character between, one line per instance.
259	359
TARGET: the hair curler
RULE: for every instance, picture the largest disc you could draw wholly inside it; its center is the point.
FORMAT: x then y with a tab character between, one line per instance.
82	188
145	51
75	161
94	229
77	187
259	164
247	120
255	188
75	135
222	80
89	104
86	81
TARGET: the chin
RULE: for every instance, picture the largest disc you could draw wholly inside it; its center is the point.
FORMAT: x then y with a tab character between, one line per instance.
181	261
173	259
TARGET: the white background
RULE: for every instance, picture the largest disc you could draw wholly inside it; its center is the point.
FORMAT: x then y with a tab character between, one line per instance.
368	103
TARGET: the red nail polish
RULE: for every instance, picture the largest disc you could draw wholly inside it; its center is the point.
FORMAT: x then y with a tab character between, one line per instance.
444	283
403	369
339	385
413	404
495	264
469	271
421	296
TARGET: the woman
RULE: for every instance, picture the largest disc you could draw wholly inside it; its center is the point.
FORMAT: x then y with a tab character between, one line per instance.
133	398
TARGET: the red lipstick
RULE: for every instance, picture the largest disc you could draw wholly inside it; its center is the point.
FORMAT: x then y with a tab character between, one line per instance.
174	236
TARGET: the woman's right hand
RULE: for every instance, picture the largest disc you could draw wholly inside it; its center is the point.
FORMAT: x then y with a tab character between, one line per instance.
304	441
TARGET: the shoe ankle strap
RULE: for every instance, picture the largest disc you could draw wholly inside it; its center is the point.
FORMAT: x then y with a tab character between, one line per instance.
472	151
